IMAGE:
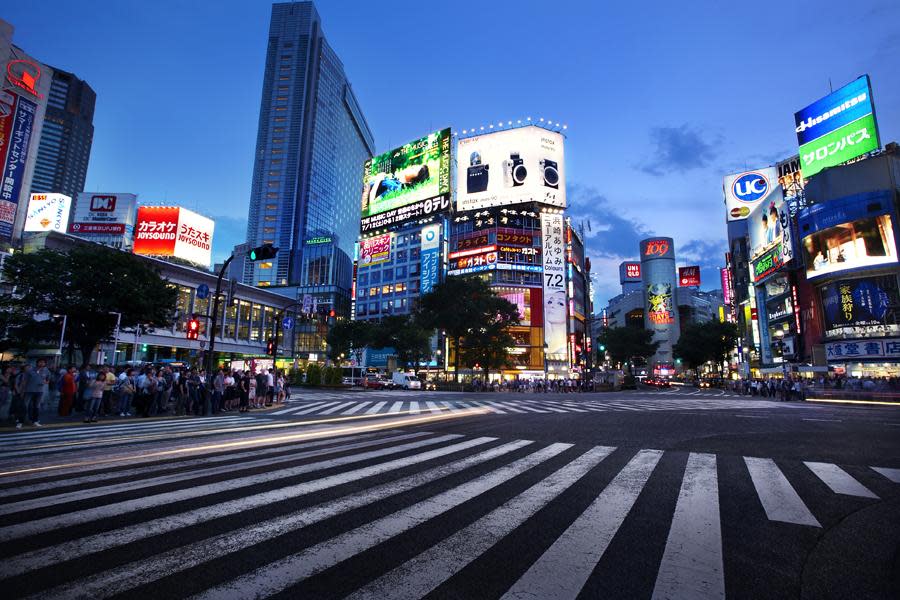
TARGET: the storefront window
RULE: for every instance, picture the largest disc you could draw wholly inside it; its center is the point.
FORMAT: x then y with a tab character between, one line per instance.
230	321
256	325
183	306
244	323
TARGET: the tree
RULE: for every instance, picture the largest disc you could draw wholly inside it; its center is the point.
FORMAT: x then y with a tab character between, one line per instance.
409	338
703	342
487	343
624	343
89	284
345	336
463	306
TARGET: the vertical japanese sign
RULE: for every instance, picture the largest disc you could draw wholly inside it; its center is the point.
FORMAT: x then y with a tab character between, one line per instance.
554	285
375	250
431	240
726	289
16	143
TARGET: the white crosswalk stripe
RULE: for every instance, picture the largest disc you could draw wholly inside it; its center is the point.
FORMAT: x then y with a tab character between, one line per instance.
452	505
779	499
356	408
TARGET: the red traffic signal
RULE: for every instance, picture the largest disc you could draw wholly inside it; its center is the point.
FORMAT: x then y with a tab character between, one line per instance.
270	347
193	329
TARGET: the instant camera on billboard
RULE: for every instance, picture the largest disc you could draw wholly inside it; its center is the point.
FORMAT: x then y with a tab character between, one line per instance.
375	250
173	231
861	307
410	177
554	286
48	212
837	128
848	233
745	191
771	243
511	167
103	213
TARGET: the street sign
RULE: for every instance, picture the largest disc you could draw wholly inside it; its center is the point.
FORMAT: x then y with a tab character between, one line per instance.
203	291
287	323
202	344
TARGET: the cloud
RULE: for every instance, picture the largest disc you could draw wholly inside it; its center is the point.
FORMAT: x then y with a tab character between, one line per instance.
677	150
607	231
709	255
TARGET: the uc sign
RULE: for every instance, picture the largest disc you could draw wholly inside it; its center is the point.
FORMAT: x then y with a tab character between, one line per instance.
750	187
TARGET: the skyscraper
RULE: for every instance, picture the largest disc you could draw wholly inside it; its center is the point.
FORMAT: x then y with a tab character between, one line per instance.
66	138
311	145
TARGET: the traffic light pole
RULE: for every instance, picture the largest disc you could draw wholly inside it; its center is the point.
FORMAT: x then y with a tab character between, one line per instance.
215	321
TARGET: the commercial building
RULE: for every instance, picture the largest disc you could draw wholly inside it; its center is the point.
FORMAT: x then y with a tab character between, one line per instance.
311	143
66	137
24	91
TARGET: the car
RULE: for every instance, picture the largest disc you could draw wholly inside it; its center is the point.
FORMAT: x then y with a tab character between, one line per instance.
373	382
705	383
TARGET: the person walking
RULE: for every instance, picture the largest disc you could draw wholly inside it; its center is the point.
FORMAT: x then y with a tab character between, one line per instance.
67	390
96	388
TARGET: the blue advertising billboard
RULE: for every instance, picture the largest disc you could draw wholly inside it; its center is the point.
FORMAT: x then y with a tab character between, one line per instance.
14	163
430	256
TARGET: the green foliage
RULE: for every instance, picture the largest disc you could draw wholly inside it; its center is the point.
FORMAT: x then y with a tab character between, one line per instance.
407	336
313	374
624	343
88	284
702	342
467	307
346	335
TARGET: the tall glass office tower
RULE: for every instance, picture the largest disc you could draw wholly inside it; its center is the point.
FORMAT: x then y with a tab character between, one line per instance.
310	149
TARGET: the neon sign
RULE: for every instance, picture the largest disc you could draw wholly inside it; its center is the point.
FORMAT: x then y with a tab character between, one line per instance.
24	74
657	248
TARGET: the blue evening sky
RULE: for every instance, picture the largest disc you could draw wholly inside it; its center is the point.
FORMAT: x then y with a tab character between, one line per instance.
662	98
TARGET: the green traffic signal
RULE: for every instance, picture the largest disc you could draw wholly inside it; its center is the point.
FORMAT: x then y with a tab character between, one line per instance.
264	252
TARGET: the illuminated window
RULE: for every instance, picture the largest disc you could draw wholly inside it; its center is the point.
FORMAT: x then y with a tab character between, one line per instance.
279	108
269	218
400	287
274	173
284	78
273	184
265	265
277	140
272	195
280	119
268	230
271	207
373	291
268	241
277	151
278	129
263	284
387	289
277	161
281	98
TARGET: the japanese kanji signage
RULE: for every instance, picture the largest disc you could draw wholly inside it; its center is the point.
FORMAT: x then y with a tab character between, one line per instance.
854	350
375	250
858	307
430	256
173	231
16	130
839	127
554	285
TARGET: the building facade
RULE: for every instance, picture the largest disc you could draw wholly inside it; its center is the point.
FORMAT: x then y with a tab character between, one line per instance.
66	137
311	143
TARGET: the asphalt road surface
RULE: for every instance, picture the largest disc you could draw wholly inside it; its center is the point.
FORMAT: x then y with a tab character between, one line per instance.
677	493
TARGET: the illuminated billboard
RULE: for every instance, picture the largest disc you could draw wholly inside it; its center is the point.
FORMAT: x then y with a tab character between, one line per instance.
848	233
407	182
660	304
554	288
689	276
861	307
48	212
629	271
103	213
837	128
510	167
430	257
173	231
745	191
375	250
771	243
16	124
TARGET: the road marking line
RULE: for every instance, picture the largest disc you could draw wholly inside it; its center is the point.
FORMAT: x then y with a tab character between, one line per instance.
395	407
564	568
433	407
287	571
892	474
207	549
356	408
287	411
306	411
750	416
414	408
691	566
779	499
826	420
376	408
839	480
103	432
420	575
340	406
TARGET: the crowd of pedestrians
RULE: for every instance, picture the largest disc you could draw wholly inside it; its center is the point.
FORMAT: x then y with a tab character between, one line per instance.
97	392
784	389
534	385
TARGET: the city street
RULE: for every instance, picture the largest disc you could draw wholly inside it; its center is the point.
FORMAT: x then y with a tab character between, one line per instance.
673	493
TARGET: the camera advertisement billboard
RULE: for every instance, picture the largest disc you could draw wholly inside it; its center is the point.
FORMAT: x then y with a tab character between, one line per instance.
414	174
554	286
173	231
745	191
848	233
837	128
771	243
375	250
511	167
48	212
103	213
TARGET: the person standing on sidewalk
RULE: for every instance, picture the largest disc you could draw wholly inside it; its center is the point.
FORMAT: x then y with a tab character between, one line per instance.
96	388
218	391
125	387
31	389
67	390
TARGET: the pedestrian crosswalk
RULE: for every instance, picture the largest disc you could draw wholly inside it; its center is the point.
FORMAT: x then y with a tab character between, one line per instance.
405	514
72	437
436	402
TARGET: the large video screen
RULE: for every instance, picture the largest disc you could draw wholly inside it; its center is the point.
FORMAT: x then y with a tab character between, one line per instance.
864	242
414	173
510	167
771	246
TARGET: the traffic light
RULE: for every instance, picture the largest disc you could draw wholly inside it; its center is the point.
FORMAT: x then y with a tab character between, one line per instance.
193	329
143	347
270	346
264	252
601	348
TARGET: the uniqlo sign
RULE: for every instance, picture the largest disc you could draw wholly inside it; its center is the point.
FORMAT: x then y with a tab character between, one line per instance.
173	231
